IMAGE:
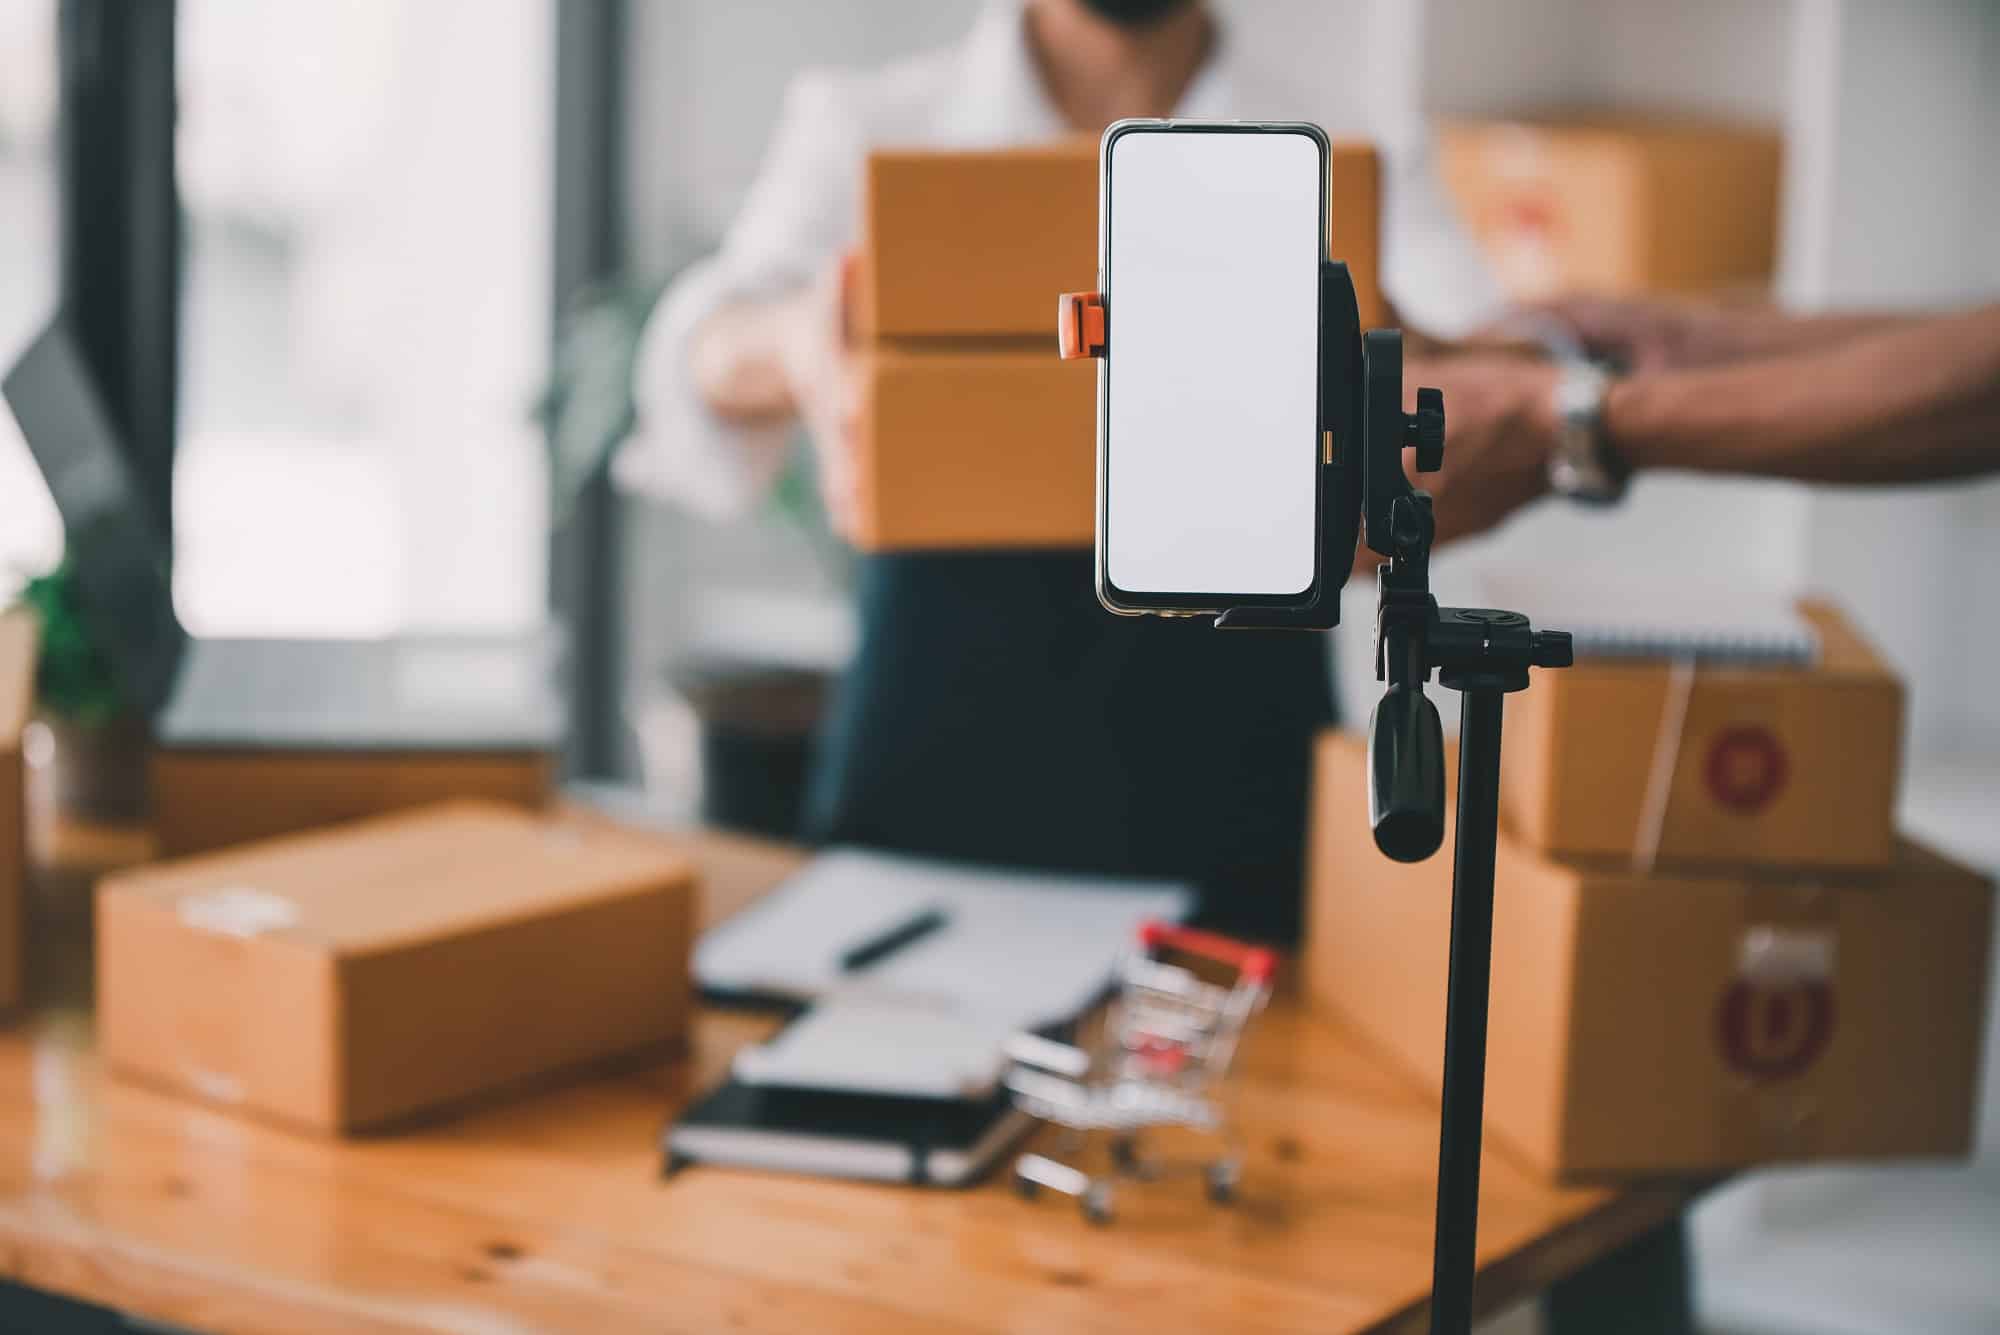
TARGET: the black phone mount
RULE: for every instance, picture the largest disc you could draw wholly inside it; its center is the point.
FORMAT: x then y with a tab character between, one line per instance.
1482	653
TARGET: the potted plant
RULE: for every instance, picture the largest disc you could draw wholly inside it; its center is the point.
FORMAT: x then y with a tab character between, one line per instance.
87	745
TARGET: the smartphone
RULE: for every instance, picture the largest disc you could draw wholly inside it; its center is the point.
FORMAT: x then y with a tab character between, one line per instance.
1211	237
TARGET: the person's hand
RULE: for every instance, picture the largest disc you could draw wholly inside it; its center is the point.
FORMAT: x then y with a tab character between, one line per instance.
1636	333
1500	425
823	375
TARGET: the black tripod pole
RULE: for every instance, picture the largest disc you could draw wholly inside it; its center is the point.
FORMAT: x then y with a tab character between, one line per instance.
1465	1010
1481	652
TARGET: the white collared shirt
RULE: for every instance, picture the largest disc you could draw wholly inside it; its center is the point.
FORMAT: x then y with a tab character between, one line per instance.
803	209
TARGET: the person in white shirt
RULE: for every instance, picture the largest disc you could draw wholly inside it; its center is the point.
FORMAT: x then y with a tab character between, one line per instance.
994	711
746	342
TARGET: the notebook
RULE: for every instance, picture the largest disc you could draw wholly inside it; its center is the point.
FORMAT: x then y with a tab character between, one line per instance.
1627	619
925	1141
860	1043
917	971
1022	948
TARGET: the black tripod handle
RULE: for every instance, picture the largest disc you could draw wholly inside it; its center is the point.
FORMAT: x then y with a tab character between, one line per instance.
1406	774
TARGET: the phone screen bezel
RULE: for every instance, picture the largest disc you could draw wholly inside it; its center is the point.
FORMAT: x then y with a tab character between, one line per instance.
1196	601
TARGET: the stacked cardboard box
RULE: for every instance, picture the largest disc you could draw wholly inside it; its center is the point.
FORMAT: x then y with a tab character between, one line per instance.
353	978
1780	767
1743	1003
18	640
1616	203
974	434
211	797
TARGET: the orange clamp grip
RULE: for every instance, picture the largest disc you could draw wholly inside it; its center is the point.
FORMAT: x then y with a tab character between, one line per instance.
1080	325
1256	964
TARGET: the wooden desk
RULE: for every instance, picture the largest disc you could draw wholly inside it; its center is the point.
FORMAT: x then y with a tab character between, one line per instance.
548	1213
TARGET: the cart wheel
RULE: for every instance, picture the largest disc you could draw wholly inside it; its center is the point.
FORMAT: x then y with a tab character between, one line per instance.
1221	1177
1026	1187
1097	1203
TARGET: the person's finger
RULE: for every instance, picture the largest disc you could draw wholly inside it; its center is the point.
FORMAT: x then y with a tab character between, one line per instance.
1460	515
845	501
846	295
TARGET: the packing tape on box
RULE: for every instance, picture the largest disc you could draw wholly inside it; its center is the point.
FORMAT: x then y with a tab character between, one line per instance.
1663	770
237	910
1775	1020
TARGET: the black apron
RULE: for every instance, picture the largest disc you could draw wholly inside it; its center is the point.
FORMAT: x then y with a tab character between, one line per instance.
996	712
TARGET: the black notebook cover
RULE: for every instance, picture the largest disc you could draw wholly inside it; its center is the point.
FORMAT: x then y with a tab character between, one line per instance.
945	1142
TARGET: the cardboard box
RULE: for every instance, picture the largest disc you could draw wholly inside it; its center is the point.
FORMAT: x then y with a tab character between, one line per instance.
353	978
989	446
974	434
1611	203
1772	767
969	243
206	799
19	640
1670	1024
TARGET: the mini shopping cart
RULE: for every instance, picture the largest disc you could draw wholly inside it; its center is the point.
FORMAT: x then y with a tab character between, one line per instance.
1162	1060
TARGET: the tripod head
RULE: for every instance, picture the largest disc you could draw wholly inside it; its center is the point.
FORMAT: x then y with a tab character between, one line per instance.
1366	496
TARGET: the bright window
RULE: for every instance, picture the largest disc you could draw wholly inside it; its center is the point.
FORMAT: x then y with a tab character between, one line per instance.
30	532
365	315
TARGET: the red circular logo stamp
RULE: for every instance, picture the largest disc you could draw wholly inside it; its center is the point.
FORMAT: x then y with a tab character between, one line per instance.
1746	767
1774	1030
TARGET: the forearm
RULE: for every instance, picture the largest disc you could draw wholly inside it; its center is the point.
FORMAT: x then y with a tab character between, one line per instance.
1766	331
1916	400
738	363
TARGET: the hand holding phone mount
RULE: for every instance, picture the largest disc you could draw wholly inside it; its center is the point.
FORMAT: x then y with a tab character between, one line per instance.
1483	653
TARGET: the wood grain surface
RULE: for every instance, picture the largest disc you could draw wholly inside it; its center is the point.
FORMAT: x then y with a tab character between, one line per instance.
548	1213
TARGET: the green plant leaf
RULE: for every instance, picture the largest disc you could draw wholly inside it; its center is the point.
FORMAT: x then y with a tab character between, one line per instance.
73	679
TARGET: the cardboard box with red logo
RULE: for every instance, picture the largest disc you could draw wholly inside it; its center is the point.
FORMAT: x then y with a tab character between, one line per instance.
1670	1023
1735	766
1615	202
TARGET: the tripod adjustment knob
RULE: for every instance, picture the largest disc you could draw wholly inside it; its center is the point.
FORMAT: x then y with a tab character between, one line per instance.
1411	525
1552	649
1423	430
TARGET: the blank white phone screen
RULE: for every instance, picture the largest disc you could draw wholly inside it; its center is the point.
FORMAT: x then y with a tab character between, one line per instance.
1211	388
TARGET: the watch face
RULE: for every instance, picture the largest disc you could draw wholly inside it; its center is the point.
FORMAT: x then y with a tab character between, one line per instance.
1578	466
1580	391
1579	484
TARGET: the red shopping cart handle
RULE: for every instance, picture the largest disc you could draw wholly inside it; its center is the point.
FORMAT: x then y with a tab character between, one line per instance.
1256	964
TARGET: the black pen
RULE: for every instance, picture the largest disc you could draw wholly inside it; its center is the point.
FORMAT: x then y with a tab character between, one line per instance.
878	948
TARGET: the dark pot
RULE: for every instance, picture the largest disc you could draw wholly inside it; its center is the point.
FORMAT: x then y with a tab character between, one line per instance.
93	773
757	725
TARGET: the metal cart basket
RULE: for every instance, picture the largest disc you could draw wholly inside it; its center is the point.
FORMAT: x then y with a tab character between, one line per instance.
1162	1060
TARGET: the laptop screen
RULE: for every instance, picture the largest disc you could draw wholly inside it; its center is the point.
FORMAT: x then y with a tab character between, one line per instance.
122	564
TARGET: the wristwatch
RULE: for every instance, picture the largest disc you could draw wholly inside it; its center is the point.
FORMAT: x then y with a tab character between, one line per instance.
1583	466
